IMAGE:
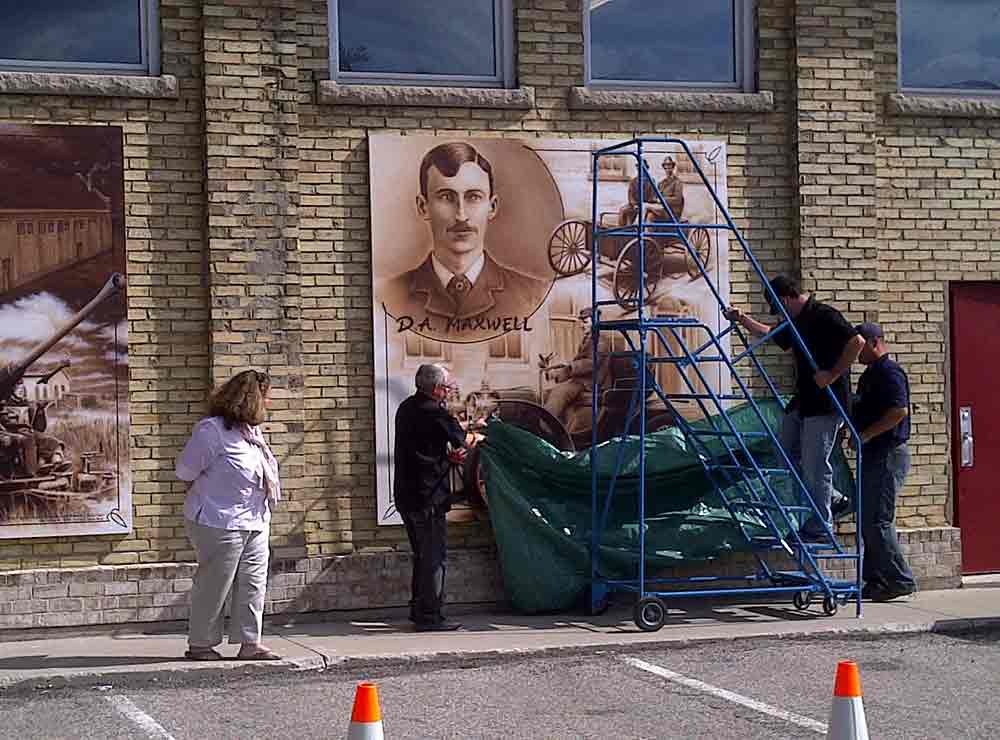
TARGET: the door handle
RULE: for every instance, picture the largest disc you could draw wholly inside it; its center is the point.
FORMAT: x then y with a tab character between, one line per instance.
968	441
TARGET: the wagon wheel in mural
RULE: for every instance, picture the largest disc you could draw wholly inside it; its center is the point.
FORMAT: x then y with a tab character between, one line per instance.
629	291
526	415
569	247
701	242
677	261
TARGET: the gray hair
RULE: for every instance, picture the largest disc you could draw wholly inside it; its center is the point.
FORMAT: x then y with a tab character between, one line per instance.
430	377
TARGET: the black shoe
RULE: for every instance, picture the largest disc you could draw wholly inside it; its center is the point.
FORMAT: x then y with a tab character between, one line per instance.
841	506
895	591
813	538
873	591
437	626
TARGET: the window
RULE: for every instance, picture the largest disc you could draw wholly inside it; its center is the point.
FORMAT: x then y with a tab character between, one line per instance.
507	347
422	348
650	43
120	36
423	42
953	46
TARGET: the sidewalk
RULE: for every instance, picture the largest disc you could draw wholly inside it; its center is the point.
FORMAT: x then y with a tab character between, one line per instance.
144	651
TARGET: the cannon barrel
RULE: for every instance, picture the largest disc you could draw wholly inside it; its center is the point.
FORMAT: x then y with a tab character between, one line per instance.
12	374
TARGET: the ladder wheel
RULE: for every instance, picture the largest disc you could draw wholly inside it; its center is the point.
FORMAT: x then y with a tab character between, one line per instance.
829	606
802	599
650	614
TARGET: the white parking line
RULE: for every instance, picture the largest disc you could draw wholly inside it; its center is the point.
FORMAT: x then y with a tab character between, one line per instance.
757	706
124	706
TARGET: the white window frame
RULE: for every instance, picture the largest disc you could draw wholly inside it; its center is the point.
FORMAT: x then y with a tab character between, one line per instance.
149	49
745	55
503	31
937	91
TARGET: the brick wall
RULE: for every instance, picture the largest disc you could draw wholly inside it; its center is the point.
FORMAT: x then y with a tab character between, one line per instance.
248	237
938	191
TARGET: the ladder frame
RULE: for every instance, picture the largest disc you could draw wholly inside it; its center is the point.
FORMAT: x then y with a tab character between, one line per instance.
809	579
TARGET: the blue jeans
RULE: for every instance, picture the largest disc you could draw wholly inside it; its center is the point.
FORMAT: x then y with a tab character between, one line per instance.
882	475
809	442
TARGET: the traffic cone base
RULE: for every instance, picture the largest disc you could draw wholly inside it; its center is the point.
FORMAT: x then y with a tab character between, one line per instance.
366	717
847	714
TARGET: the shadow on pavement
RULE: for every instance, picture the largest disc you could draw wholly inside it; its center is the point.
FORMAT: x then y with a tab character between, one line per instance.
47	662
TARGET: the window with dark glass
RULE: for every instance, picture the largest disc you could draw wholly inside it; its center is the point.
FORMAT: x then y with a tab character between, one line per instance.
462	42
79	35
952	46
653	43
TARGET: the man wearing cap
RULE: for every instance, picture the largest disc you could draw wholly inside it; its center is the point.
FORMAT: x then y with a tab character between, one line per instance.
882	418
811	423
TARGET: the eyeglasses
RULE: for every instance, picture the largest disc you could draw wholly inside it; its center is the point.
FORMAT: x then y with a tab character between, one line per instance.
262	378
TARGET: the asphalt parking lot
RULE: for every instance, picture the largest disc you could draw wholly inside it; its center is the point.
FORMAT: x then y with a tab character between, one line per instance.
915	686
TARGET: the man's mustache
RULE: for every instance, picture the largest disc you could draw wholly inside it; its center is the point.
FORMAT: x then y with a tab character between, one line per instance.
463	228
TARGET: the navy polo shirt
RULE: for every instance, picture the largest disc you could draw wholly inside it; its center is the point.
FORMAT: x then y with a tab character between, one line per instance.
882	386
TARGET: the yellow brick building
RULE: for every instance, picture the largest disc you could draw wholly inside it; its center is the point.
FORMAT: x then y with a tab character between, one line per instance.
247	241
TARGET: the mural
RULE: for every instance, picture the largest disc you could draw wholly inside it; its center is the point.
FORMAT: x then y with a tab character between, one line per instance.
481	261
64	423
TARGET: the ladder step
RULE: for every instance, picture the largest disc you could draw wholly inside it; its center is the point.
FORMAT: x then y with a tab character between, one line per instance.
702	397
749	469
769	507
645	323
726	433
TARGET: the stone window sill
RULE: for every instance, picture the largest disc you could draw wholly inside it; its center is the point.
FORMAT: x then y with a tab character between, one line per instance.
943	106
332	93
661	101
103	86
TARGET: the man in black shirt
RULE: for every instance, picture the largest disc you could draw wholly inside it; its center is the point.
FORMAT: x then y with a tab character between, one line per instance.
882	418
811	423
421	488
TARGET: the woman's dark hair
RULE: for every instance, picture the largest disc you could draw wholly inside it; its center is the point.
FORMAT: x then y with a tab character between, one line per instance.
241	399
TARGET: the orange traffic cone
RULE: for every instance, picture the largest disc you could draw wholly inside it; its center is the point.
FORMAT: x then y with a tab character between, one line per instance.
366	719
847	715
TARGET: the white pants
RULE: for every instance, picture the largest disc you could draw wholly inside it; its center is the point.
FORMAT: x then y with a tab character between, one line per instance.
229	561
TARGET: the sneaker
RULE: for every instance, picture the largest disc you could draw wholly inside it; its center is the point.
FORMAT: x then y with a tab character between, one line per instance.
841	506
895	591
437	626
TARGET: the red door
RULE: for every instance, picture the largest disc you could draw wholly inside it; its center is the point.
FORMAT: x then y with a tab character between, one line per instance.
975	356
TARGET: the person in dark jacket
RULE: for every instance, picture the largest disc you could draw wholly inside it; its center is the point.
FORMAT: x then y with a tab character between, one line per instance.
810	426
882	419
421	488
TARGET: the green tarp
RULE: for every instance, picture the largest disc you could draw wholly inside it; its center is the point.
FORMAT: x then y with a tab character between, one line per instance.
540	505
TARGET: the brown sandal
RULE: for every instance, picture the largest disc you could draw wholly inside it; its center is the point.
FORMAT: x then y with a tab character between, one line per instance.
202	654
264	654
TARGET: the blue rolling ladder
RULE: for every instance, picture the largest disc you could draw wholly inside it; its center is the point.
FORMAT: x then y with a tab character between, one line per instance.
744	484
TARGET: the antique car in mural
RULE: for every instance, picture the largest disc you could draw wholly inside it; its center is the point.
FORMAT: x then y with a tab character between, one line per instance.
618	413
41	473
664	254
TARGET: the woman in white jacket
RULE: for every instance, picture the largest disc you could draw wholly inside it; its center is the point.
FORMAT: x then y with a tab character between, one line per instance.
234	484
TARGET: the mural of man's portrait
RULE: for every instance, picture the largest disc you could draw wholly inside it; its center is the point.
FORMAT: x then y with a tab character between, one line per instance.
475	213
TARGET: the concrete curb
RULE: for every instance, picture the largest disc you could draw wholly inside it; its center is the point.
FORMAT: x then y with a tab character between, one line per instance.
378	665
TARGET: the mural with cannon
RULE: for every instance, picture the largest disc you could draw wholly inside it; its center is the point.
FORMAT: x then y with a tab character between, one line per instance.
64	433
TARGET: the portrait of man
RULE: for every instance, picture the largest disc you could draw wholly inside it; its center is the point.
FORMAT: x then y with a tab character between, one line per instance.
460	292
